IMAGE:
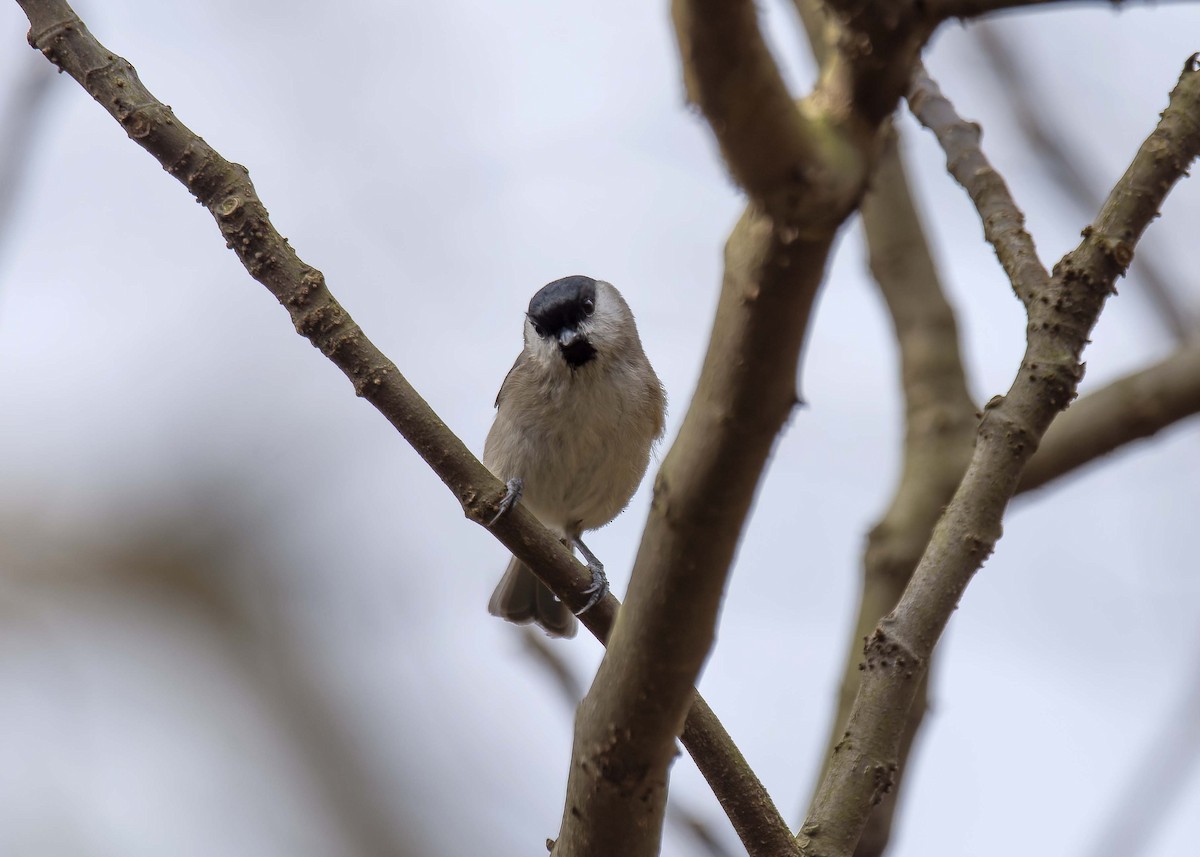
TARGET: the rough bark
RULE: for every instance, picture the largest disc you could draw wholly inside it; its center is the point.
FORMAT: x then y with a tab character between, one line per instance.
1129	409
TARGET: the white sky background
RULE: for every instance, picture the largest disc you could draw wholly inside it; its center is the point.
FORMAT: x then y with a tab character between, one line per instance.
440	162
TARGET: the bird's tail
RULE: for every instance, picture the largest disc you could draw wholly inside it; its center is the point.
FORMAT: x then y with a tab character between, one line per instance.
522	598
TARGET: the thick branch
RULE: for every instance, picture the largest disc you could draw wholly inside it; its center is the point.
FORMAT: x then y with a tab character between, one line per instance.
1134	407
878	44
1003	222
1061	317
730	75
545	652
225	189
627	724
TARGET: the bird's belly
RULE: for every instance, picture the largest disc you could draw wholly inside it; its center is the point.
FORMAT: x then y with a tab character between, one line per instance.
580	491
574	481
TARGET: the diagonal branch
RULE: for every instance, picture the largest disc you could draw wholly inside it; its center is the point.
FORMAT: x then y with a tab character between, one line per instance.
542	650
1003	222
1061	317
1134	407
225	189
1130	409
1062	167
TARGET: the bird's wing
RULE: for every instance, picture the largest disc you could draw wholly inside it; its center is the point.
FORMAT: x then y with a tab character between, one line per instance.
500	395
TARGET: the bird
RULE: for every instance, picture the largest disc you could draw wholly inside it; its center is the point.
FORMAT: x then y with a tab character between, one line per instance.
577	418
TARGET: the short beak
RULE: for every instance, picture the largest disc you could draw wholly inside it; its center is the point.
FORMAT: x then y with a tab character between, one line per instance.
567	337
575	348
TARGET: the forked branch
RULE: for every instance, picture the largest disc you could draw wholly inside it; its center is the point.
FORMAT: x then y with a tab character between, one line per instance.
1061	317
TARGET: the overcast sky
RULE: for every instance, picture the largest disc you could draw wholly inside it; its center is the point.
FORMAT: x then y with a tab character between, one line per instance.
440	162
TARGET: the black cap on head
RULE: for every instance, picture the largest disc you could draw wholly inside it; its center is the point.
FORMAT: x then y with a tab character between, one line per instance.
563	303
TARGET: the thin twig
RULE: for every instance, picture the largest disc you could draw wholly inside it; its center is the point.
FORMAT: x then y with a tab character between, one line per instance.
1003	222
225	189
1061	318
1060	164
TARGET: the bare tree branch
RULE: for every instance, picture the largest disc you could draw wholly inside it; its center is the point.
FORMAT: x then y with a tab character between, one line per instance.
805	171
1003	222
940	418
707	483
805	174
1134	407
626	728
1060	319
878	44
1062	167
730	74
940	421
225	189
571	689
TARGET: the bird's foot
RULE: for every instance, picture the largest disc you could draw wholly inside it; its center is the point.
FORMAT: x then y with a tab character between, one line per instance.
599	586
597	590
514	488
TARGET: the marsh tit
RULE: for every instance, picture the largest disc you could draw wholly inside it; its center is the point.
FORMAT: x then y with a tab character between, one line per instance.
576	418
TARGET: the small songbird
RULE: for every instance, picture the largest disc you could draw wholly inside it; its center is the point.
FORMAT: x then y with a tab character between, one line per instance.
576	418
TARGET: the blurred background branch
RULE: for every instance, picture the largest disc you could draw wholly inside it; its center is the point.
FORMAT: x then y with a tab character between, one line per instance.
22	116
200	570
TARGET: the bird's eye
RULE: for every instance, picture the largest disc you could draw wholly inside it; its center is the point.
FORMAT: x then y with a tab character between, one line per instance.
589	306
537	328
